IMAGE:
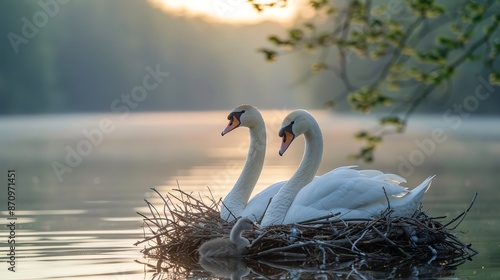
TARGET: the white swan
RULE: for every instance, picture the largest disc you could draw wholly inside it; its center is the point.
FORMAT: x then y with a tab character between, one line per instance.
233	246
236	203
298	122
353	193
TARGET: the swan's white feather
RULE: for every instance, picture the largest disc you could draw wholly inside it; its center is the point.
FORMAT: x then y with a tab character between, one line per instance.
256	206
353	196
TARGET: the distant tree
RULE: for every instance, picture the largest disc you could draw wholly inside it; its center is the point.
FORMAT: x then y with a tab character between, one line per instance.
28	82
414	46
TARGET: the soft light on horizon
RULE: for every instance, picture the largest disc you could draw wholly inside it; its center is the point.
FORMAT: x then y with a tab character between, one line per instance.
231	11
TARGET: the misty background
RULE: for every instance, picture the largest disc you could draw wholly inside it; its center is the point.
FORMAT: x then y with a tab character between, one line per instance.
90	53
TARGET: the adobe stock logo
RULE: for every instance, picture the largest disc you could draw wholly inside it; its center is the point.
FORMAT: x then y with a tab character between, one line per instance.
40	19
454	119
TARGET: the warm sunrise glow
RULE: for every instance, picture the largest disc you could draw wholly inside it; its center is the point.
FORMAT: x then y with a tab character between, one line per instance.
229	11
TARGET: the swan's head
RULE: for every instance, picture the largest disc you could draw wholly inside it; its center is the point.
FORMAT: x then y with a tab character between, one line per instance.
243	115
295	124
245	224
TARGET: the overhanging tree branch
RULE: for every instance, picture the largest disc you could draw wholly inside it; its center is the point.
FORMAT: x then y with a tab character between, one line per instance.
411	54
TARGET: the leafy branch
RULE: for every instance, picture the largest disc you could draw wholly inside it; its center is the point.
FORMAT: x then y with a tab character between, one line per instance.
413	48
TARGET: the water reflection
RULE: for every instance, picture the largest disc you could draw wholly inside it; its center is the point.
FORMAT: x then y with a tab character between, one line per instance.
257	269
81	254
232	268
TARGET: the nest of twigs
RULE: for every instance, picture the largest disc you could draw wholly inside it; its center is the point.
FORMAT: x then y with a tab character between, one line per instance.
174	232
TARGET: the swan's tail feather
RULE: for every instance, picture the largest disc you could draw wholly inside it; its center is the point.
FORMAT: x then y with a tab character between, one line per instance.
390	178
345	167
409	203
370	173
418	193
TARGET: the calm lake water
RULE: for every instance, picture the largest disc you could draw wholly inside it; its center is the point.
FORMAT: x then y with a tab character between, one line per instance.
80	179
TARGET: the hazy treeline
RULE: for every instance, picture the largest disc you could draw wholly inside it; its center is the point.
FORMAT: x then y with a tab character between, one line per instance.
84	56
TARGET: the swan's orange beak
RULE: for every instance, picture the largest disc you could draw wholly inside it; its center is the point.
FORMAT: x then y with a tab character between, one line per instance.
255	227
287	140
287	134
233	123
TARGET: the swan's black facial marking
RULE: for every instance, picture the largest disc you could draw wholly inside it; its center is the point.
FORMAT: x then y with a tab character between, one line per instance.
234	121
233	115
288	128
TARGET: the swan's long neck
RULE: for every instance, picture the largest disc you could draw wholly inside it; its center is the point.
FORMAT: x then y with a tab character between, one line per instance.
304	174
236	200
235	236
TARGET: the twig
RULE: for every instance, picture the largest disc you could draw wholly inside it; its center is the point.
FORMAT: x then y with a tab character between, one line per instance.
392	243
462	215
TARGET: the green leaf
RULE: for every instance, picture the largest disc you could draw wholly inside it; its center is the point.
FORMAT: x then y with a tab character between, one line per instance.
274	39
361	135
394	86
435	11
318	4
496	18
330	10
475	8
269	55
455	28
310	47
295	34
323	39
495	78
395	121
449	42
309	26
318	66
407	50
488	30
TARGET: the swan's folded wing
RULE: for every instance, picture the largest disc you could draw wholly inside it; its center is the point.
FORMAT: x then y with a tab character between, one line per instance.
256	206
335	192
370	173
